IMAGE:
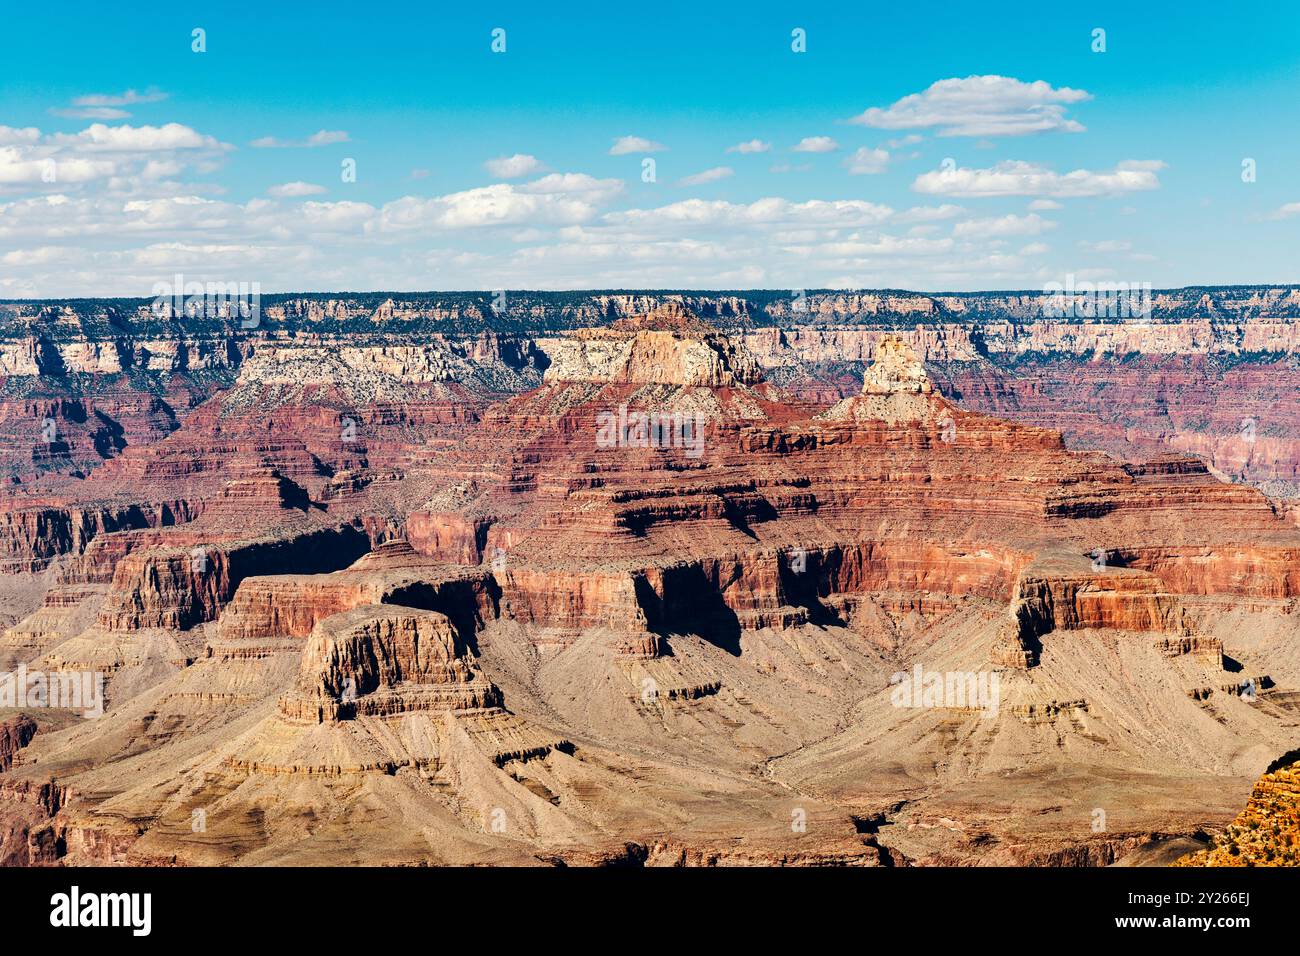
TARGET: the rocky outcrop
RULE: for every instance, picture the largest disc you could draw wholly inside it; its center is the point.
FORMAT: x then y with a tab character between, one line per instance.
31	535
896	389
381	660
1056	595
1267	831
15	733
667	346
171	588
292	605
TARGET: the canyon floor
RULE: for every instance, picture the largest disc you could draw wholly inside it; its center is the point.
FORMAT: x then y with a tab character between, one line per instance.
637	593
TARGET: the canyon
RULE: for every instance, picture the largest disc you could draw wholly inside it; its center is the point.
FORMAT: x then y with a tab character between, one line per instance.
368	585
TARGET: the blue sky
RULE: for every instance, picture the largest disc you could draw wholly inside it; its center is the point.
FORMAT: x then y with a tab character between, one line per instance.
944	146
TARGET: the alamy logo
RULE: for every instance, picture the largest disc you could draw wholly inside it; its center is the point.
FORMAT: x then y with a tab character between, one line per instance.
212	300
69	690
947	428
626	429
946	689
74	908
1096	300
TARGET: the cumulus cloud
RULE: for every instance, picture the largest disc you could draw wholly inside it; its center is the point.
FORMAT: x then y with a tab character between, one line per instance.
107	106
1044	205
750	146
981	106
10	135
342	216
815	144
324	137
294	189
866	161
706	176
123	158
635	144
513	167
999	226
22	168
122	214
560	198
1015	178
99	137
575	184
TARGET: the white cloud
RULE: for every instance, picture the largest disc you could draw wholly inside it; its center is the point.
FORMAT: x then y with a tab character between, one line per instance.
107	106
512	167
20	167
123	159
10	135
981	106
635	144
707	176
867	161
750	146
1034	249
575	184
126	98
291	190
107	139
1285	211
40	256
91	112
879	245
556	199
911	139
815	144
842	213
1015	178
344	216
133	217
1044	205
930	213
1106	245
156	170
999	226
324	137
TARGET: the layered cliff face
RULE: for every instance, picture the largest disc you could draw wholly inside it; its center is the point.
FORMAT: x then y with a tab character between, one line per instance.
667	346
15	734
653	608
1207	371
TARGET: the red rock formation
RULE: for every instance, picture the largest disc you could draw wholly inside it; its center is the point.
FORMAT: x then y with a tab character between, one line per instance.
383	661
15	733
690	577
